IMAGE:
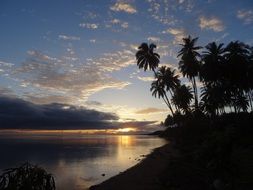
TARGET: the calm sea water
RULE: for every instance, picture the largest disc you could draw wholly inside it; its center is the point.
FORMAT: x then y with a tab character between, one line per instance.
77	161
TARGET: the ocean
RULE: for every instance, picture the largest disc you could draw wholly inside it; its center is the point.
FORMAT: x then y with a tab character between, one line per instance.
76	161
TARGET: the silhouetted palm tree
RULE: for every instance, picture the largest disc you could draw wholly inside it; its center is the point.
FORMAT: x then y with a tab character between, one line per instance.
235	72
189	63
236	54
212	59
240	102
158	90
182	97
146	58
212	98
250	77
168	77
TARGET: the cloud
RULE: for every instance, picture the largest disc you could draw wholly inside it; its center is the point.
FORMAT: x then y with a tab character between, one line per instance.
164	11
124	25
146	79
141	126
72	38
154	39
117	22
19	114
246	16
222	37
92	26
115	61
5	67
93	103
178	33
160	12
212	23
66	79
150	111
93	41
40	56
123	7
47	98
6	92
5	64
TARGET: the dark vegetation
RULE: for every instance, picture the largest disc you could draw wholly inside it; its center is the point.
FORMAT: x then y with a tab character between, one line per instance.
210	120
215	153
26	177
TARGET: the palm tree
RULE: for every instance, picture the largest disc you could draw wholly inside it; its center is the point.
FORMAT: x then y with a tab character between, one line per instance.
250	78
212	98
236	69
168	77
212	59
157	89
182	97
146	58
236	54
189	63
240	102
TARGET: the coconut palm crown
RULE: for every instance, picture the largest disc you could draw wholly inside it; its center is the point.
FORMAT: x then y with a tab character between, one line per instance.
146	58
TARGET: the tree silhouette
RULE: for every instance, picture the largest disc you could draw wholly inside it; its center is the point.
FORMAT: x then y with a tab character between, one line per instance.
189	63
236	55
157	89
212	98
250	77
168	77
182	97
146	58
226	74
26	177
212	60
235	72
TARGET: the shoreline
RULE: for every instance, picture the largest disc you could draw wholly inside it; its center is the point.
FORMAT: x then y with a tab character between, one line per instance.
144	175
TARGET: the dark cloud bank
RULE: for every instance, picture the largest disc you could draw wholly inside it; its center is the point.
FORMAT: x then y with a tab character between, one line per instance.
20	114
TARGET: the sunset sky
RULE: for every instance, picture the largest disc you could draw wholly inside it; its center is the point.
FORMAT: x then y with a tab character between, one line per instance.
82	53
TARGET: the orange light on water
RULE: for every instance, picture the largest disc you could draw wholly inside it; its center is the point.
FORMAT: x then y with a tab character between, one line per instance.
125	140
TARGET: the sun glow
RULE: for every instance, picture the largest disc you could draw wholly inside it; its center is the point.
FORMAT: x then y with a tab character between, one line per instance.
87	131
125	130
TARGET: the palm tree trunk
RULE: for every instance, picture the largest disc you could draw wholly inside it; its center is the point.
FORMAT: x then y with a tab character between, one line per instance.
250	101
169	105
154	71
166	102
195	92
235	109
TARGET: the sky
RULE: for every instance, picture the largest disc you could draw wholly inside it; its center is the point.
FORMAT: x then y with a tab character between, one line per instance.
78	57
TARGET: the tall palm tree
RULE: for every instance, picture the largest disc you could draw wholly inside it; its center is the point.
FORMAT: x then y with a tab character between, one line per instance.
168	78
212	98
146	58
182	97
236	69
212	59
189	63
240	102
250	77
158	90
236	55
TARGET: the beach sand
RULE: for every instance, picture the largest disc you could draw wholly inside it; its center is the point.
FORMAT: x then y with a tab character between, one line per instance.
144	175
